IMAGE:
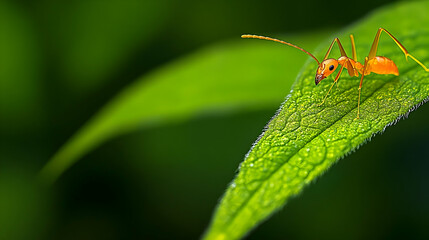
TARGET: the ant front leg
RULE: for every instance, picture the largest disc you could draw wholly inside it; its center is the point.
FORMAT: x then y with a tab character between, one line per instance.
335	81
343	53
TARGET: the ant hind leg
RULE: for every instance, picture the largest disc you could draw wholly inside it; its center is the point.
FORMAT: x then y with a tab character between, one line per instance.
373	51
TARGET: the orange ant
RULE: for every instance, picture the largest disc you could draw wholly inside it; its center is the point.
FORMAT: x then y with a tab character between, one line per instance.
373	63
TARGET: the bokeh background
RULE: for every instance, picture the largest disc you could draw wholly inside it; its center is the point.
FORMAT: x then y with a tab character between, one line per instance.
61	61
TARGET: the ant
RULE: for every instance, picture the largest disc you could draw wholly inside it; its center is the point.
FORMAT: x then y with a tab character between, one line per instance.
373	63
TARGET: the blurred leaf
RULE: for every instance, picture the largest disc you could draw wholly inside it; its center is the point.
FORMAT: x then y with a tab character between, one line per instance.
20	88
24	204
220	78
303	140
93	39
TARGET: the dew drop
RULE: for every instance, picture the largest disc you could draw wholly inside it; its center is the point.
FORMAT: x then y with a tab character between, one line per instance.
303	173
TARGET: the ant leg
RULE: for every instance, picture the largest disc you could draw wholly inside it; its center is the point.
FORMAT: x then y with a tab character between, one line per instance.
347	64
352	39
343	53
350	68
335	81
360	84
374	46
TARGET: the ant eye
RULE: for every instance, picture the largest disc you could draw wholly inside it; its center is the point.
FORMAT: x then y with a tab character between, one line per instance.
331	67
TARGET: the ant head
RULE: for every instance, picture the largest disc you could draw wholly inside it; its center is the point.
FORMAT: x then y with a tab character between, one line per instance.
326	68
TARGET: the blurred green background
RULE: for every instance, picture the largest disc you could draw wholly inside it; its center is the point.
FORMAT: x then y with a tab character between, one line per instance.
60	62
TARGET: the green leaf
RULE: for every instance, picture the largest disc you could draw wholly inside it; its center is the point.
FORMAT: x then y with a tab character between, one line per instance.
21	91
91	47
304	139
217	79
25	204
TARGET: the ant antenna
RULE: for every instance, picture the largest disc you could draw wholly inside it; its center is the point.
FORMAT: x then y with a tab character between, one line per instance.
280	41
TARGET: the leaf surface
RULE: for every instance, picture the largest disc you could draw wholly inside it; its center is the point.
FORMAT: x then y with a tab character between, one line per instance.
304	139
